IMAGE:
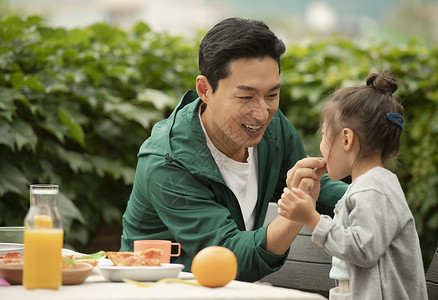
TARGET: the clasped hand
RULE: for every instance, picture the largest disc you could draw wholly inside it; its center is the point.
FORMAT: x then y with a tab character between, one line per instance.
298	200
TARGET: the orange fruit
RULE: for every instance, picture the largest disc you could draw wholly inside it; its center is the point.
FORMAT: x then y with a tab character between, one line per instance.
214	266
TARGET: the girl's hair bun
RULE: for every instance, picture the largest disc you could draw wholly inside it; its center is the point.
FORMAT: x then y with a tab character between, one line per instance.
384	82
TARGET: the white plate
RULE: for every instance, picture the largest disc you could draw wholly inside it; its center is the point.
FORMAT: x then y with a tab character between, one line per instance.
11	247
118	273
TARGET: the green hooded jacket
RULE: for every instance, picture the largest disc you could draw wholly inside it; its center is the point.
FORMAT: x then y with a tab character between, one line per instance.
180	195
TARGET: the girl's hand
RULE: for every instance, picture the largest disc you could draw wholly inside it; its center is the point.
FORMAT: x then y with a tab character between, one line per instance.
298	206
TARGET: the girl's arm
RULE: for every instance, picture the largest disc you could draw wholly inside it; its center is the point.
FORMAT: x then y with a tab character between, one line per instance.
370	223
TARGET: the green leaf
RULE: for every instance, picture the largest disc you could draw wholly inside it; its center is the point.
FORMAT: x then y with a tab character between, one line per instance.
77	162
75	129
69	211
7	97
6	135
141	115
56	87
23	135
141	28
11	179
20	80
159	99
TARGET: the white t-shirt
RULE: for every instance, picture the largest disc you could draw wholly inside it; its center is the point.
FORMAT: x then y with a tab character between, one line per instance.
339	269
240	177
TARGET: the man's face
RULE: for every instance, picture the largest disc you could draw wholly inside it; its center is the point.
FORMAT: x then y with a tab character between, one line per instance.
244	103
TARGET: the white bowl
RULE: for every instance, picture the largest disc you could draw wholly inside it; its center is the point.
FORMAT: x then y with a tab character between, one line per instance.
11	247
141	273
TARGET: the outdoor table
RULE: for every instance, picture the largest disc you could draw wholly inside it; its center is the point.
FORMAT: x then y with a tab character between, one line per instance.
96	287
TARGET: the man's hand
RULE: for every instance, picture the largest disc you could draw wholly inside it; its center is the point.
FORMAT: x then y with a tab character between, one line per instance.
306	175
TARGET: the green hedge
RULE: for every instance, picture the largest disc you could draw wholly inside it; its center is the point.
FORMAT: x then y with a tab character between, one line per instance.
75	105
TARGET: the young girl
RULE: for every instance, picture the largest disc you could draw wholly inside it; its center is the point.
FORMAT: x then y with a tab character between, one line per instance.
372	238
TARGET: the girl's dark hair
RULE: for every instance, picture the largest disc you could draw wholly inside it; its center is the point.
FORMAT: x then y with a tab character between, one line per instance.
235	38
364	110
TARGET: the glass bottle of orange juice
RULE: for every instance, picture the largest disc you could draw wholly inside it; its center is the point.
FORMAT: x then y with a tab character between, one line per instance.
43	239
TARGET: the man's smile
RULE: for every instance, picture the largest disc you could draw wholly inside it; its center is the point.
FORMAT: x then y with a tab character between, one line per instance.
252	127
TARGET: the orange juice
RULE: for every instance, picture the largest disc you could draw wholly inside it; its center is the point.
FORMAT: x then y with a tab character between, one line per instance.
43	221
42	258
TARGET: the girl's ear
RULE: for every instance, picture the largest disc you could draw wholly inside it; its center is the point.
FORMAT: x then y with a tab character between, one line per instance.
348	138
203	87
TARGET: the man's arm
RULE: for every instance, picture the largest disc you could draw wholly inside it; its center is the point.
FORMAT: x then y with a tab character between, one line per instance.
199	214
280	234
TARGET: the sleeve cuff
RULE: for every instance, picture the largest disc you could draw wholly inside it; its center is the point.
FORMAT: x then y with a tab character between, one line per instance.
273	261
319	234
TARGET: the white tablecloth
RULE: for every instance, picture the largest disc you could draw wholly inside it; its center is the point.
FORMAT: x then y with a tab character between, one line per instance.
97	288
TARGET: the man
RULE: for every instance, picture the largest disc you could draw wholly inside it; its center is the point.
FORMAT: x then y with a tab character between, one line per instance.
207	173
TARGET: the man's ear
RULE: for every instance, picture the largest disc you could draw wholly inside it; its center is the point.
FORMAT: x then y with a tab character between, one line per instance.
203	87
348	138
